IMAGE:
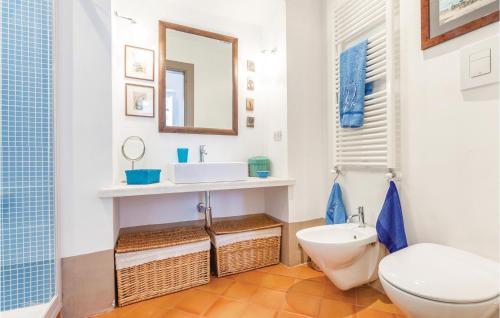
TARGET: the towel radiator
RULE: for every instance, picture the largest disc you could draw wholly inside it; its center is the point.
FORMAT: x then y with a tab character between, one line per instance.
374	144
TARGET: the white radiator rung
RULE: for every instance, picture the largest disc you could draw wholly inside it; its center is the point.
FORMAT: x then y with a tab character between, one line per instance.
376	111
370	65
374	48
354	6
368	159
364	27
371	116
374	101
359	20
375	72
362	152
375	78
346	133
361	164
364	143
375	66
375	95
375	136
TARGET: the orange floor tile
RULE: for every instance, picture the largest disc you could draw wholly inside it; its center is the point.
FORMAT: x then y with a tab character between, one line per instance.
272	292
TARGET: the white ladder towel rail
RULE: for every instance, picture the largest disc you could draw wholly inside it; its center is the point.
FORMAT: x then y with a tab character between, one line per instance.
374	144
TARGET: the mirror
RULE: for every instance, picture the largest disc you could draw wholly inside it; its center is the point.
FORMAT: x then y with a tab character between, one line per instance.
198	81
133	149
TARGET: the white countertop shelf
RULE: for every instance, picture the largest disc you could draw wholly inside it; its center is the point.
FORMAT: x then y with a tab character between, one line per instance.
167	187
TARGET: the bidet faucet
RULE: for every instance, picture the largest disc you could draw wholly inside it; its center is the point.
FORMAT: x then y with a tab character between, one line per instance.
360	215
203	152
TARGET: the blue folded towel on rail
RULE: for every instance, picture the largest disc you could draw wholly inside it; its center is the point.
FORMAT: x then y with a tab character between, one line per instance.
390	225
335	210
352	85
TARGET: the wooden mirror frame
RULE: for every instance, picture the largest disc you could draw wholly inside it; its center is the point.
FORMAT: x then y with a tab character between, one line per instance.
162	40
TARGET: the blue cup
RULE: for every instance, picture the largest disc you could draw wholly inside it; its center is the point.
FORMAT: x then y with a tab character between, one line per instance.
182	155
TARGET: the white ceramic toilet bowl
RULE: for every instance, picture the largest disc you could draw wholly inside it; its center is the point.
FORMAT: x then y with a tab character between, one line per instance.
435	281
346	253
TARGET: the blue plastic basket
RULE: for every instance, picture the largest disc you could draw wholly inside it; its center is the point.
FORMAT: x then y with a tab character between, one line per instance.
143	176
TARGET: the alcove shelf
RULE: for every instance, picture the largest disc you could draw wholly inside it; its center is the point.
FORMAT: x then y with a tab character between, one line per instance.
167	187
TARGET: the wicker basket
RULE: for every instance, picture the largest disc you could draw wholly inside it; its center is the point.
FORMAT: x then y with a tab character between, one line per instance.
154	263
244	244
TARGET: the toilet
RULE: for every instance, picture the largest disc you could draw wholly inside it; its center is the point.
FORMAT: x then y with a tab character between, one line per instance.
435	281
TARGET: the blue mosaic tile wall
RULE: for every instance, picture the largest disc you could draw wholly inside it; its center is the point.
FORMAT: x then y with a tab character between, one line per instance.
27	230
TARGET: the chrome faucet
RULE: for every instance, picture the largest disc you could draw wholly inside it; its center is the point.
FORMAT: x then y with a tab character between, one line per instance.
360	216
203	153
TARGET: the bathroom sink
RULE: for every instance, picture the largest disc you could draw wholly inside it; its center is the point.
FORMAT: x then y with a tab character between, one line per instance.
207	172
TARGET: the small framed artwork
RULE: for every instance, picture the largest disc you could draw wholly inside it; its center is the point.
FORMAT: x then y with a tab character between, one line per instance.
139	100
250	104
139	63
250	122
443	20
250	66
250	85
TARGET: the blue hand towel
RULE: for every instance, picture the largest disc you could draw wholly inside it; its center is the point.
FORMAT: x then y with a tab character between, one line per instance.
335	211
352	85
390	225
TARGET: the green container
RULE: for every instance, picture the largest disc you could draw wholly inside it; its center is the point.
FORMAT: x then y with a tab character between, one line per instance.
259	163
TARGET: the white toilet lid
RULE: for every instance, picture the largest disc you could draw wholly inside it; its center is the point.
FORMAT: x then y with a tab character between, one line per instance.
442	274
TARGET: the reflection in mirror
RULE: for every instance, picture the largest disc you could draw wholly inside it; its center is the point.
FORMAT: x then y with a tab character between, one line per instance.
198	92
179	107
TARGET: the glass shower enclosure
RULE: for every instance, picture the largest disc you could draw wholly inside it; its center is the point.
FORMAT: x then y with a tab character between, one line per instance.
28	280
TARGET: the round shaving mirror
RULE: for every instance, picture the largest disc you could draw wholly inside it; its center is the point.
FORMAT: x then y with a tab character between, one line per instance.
133	149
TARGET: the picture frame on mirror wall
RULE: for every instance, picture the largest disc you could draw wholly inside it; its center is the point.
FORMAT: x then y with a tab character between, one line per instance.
250	85
250	121
250	66
139	100
250	104
139	63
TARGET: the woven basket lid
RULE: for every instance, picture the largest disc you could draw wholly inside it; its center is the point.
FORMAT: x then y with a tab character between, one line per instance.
146	240
244	224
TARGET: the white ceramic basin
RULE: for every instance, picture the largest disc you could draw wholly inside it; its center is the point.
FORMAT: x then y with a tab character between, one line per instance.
346	253
207	172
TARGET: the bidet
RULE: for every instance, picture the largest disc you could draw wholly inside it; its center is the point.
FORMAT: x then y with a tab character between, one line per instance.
347	253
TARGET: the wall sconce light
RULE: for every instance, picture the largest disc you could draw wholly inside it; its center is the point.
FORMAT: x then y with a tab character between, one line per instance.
125	18
269	51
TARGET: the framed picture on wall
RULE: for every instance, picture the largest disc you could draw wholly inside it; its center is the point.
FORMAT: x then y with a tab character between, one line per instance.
443	20
139	100
139	63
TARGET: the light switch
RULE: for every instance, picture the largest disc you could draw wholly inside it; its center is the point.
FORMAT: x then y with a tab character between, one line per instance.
480	63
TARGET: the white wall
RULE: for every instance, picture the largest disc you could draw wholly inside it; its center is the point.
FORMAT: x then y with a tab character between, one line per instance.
83	114
307	108
162	209
270	103
449	156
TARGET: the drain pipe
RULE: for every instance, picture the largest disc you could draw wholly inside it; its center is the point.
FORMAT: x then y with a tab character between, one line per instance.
205	207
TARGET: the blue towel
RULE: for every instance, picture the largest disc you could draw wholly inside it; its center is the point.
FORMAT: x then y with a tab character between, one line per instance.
352	85
335	211
390	225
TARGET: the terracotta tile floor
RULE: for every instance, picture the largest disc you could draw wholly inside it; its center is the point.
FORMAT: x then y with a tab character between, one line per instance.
275	292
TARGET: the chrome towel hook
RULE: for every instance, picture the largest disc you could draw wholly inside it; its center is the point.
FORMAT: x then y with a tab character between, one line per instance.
392	176
337	172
